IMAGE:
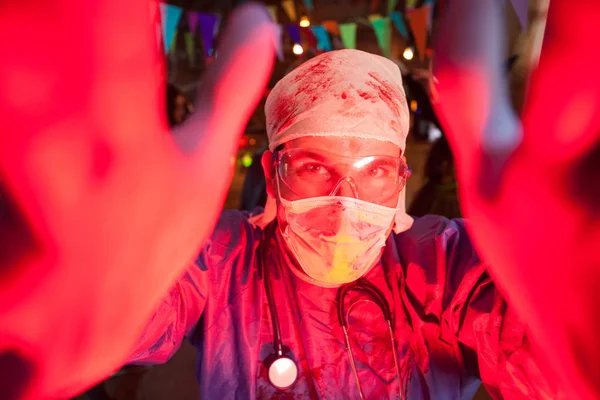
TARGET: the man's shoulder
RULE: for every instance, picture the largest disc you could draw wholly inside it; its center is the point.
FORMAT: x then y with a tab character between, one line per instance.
233	227
431	228
233	234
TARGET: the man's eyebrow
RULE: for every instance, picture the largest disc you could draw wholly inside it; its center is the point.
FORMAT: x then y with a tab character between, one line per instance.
308	154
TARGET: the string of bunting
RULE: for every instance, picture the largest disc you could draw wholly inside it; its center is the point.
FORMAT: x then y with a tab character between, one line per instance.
319	37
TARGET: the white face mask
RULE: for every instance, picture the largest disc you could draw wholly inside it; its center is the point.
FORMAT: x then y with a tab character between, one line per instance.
336	240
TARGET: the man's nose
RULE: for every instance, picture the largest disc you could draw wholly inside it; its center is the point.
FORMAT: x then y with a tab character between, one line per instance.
346	187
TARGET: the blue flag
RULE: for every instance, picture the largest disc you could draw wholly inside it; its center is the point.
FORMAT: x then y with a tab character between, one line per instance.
170	16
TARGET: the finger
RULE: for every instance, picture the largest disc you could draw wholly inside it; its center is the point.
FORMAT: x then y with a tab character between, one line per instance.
234	83
76	80
473	101
562	112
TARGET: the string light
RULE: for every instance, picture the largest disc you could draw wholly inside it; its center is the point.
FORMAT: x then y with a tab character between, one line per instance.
414	105
297	49
304	22
408	53
247	160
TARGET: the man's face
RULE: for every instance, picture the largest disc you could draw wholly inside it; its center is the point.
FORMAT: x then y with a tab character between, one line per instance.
366	169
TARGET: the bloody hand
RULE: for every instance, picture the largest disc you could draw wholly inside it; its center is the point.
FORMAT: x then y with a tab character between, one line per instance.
532	190
103	210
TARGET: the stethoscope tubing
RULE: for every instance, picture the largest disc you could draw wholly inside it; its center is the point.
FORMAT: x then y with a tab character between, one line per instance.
361	285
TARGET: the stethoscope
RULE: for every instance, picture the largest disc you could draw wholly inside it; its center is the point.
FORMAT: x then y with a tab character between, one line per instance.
282	370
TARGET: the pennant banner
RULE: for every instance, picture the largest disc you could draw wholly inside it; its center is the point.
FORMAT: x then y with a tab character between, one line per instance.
399	23
170	16
192	19
323	42
273	12
190	47
294	32
332	27
410	4
383	31
522	9
290	9
280	55
348	35
209	24
309	5
418	24
310	37
392	5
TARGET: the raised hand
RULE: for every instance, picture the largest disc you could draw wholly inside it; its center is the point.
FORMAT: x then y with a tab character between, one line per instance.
102	209
532	189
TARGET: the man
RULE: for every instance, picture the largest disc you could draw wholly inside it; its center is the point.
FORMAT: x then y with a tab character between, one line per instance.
107	232
337	129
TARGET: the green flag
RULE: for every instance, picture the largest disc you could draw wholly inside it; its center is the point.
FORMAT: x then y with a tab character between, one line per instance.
348	35
383	31
392	5
190	47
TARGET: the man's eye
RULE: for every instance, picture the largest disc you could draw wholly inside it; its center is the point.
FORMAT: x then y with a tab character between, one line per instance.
315	168
378	172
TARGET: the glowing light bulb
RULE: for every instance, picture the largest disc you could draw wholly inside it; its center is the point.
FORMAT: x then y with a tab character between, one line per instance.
413	105
247	160
304	22
408	53
297	49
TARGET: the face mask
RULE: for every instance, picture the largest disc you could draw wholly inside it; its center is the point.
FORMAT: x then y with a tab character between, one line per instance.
336	240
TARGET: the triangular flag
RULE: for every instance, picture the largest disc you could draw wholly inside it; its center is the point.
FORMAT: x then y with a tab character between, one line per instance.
170	16
190	47
323	41
310	37
294	32
309	5
290	9
209	24
273	12
348	34
173	42
192	19
279	49
410	4
418	24
399	23
392	5
332	27
383	31
522	9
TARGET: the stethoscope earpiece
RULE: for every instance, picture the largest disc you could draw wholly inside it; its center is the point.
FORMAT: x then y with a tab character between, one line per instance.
282	372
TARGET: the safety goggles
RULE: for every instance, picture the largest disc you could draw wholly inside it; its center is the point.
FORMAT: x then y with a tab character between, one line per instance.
313	173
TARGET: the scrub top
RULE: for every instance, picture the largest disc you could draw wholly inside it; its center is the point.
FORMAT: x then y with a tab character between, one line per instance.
453	329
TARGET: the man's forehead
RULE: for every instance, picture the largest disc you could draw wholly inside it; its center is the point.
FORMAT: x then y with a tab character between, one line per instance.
345	146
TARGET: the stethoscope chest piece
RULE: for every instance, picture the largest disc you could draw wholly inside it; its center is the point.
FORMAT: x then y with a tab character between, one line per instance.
282	371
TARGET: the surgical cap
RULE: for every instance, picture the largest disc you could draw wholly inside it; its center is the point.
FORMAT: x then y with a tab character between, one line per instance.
347	93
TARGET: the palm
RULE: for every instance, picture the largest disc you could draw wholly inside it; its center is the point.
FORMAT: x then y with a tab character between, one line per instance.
116	209
531	189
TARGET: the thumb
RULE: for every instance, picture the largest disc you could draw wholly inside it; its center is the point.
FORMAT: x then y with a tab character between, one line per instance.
232	85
